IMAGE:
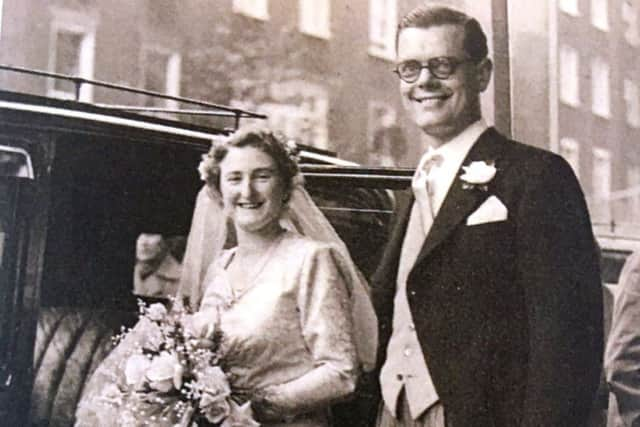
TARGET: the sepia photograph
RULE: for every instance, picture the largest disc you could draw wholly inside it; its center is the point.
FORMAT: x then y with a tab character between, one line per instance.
320	213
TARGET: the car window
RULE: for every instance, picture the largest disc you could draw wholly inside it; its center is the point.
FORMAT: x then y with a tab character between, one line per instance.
15	162
363	216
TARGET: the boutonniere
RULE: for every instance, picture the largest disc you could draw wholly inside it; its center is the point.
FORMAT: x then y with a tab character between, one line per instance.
478	175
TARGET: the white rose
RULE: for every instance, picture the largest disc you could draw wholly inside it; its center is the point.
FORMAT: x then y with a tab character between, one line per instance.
156	312
165	372
136	369
200	325
215	390
478	173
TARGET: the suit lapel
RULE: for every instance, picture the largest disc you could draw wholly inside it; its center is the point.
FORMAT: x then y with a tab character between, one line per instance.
459	203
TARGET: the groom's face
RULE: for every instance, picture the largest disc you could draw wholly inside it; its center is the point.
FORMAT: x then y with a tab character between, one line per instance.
441	107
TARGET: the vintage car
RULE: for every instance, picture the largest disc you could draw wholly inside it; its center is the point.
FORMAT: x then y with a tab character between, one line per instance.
79	183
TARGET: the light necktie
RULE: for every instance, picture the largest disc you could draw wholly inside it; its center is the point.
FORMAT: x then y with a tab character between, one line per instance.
422	187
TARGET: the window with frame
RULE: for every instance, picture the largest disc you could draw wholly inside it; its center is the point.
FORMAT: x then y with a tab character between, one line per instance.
601	184
386	142
633	184
383	20
569	75
570	150
630	16
569	6
1	16
161	73
72	53
315	17
300	110
632	102
258	9
600	91
600	14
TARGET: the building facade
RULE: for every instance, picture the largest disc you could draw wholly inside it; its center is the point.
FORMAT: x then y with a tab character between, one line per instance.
320	69
565	78
576	67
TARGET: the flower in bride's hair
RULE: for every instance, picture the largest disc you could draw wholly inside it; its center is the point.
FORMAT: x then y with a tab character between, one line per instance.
136	369
291	147
207	164
165	372
240	416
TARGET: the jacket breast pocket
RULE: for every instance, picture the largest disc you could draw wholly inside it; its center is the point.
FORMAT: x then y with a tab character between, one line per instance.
485	241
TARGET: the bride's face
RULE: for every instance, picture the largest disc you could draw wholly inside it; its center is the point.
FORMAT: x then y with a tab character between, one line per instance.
251	187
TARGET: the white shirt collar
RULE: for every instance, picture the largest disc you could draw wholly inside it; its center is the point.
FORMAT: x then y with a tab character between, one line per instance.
456	150
453	153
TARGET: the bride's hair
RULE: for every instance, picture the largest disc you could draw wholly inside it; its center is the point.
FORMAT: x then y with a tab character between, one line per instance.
283	153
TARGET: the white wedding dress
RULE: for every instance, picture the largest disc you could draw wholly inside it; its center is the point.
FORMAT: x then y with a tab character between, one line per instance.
290	330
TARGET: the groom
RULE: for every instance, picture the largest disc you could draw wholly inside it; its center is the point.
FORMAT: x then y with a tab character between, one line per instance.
489	291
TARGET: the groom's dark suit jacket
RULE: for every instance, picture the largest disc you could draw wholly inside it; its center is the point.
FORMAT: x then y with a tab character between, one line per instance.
508	313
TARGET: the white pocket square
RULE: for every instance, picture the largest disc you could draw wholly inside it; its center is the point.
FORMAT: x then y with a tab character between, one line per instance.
492	210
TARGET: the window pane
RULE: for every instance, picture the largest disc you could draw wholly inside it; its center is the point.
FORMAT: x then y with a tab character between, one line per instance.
387	143
601	185
362	216
155	76
67	60
600	14
633	183
254	8
630	14
569	6
569	76
600	101
1	10
632	101
569	149
315	17
300	112
382	27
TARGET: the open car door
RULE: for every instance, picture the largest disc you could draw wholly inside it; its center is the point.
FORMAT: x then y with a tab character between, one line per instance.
17	302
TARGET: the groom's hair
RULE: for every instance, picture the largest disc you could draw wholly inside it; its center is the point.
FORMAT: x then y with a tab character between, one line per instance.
430	15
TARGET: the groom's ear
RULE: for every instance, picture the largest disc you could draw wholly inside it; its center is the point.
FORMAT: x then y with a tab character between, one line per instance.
484	69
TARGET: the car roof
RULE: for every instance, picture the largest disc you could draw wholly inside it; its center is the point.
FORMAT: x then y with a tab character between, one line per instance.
45	113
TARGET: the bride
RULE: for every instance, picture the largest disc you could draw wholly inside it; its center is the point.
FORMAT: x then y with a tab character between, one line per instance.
294	312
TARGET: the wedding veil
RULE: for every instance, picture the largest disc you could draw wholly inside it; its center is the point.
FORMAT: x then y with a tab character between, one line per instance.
208	235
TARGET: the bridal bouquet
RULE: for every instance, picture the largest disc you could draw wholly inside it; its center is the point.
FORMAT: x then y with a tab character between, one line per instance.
175	375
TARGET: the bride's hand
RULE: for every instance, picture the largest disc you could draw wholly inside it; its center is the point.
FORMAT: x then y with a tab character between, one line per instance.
264	410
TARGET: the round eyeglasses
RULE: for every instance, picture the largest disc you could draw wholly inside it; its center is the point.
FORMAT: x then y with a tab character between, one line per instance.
441	68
